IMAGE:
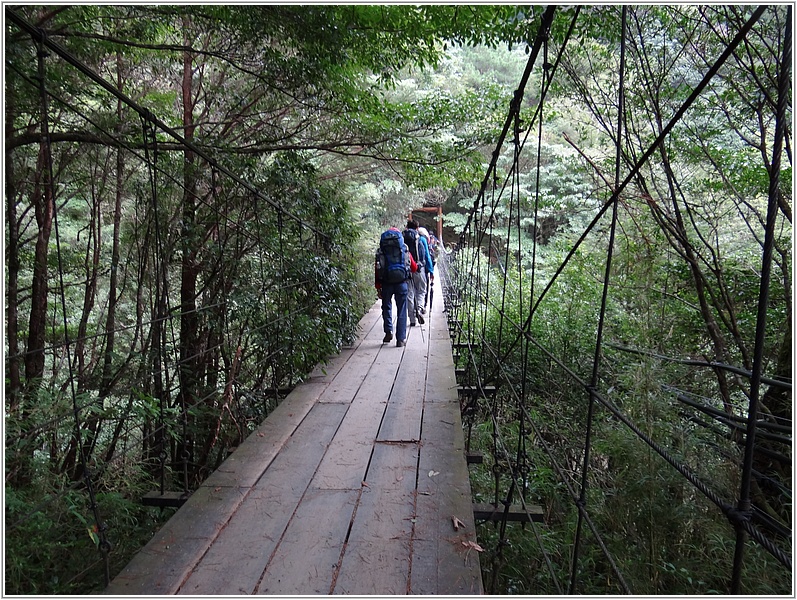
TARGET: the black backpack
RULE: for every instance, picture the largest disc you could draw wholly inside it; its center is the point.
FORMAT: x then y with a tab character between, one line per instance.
411	239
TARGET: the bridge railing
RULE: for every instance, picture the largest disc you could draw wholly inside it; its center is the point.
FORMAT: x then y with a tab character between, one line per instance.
157	293
598	380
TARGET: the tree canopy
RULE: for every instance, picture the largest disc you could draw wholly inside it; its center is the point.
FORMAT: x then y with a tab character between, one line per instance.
193	194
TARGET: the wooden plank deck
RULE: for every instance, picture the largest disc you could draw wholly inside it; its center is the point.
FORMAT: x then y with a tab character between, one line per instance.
349	487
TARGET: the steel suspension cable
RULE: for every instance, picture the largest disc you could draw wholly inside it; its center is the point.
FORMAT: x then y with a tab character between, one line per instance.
634	171
582	500
742	513
39	34
698	90
100	528
545	25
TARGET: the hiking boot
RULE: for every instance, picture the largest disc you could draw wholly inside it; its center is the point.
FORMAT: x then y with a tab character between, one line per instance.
420	319
413	324
400	343
387	338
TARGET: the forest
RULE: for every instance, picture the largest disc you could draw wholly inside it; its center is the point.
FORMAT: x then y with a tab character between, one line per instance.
194	194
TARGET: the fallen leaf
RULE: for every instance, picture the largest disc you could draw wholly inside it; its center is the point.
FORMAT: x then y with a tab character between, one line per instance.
473	546
433	473
457	523
261	434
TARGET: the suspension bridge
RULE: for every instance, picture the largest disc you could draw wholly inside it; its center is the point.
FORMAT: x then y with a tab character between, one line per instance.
356	484
401	470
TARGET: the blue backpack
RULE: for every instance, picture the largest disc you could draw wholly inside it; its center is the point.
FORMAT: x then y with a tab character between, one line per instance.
393	257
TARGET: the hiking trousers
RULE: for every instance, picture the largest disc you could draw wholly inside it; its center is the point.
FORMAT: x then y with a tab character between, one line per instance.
399	292
416	295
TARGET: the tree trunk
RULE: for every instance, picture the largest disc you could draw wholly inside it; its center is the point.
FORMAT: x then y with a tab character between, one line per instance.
43	204
13	380
189	350
113	284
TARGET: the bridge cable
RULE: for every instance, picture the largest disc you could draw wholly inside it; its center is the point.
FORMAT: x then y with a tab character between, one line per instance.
742	512
39	35
604	296
100	527
613	200
696	92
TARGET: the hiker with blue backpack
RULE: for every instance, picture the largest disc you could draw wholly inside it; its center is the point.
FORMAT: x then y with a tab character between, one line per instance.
393	270
419	249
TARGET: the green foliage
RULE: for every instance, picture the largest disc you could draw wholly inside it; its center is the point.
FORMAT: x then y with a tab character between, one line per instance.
51	538
345	116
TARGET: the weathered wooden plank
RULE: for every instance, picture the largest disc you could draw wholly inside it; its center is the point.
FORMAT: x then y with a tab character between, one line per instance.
345	464
164	563
349	379
376	559
402	422
238	556
441	383
346	461
474	458
308	554
245	466
326	371
443	561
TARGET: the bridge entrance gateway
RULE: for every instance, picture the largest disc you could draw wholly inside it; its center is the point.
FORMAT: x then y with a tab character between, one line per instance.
356	484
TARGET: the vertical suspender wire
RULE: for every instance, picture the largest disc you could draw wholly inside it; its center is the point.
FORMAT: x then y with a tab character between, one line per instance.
484	294
474	284
539	116
284	308
498	554
549	71
522	458
514	195
221	238
522	412
506	272
582	500
263	287
477	327
161	370
478	378
743	513
104	545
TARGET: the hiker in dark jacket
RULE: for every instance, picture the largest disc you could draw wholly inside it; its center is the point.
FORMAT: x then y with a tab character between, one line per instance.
416	294
387	291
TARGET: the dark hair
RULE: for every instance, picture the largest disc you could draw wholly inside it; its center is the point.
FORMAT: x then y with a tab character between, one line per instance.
412	224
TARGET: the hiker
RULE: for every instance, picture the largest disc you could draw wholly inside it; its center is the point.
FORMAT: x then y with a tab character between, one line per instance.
416	295
393	270
426	238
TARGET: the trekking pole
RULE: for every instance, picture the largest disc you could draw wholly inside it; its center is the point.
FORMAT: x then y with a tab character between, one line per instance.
428	291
